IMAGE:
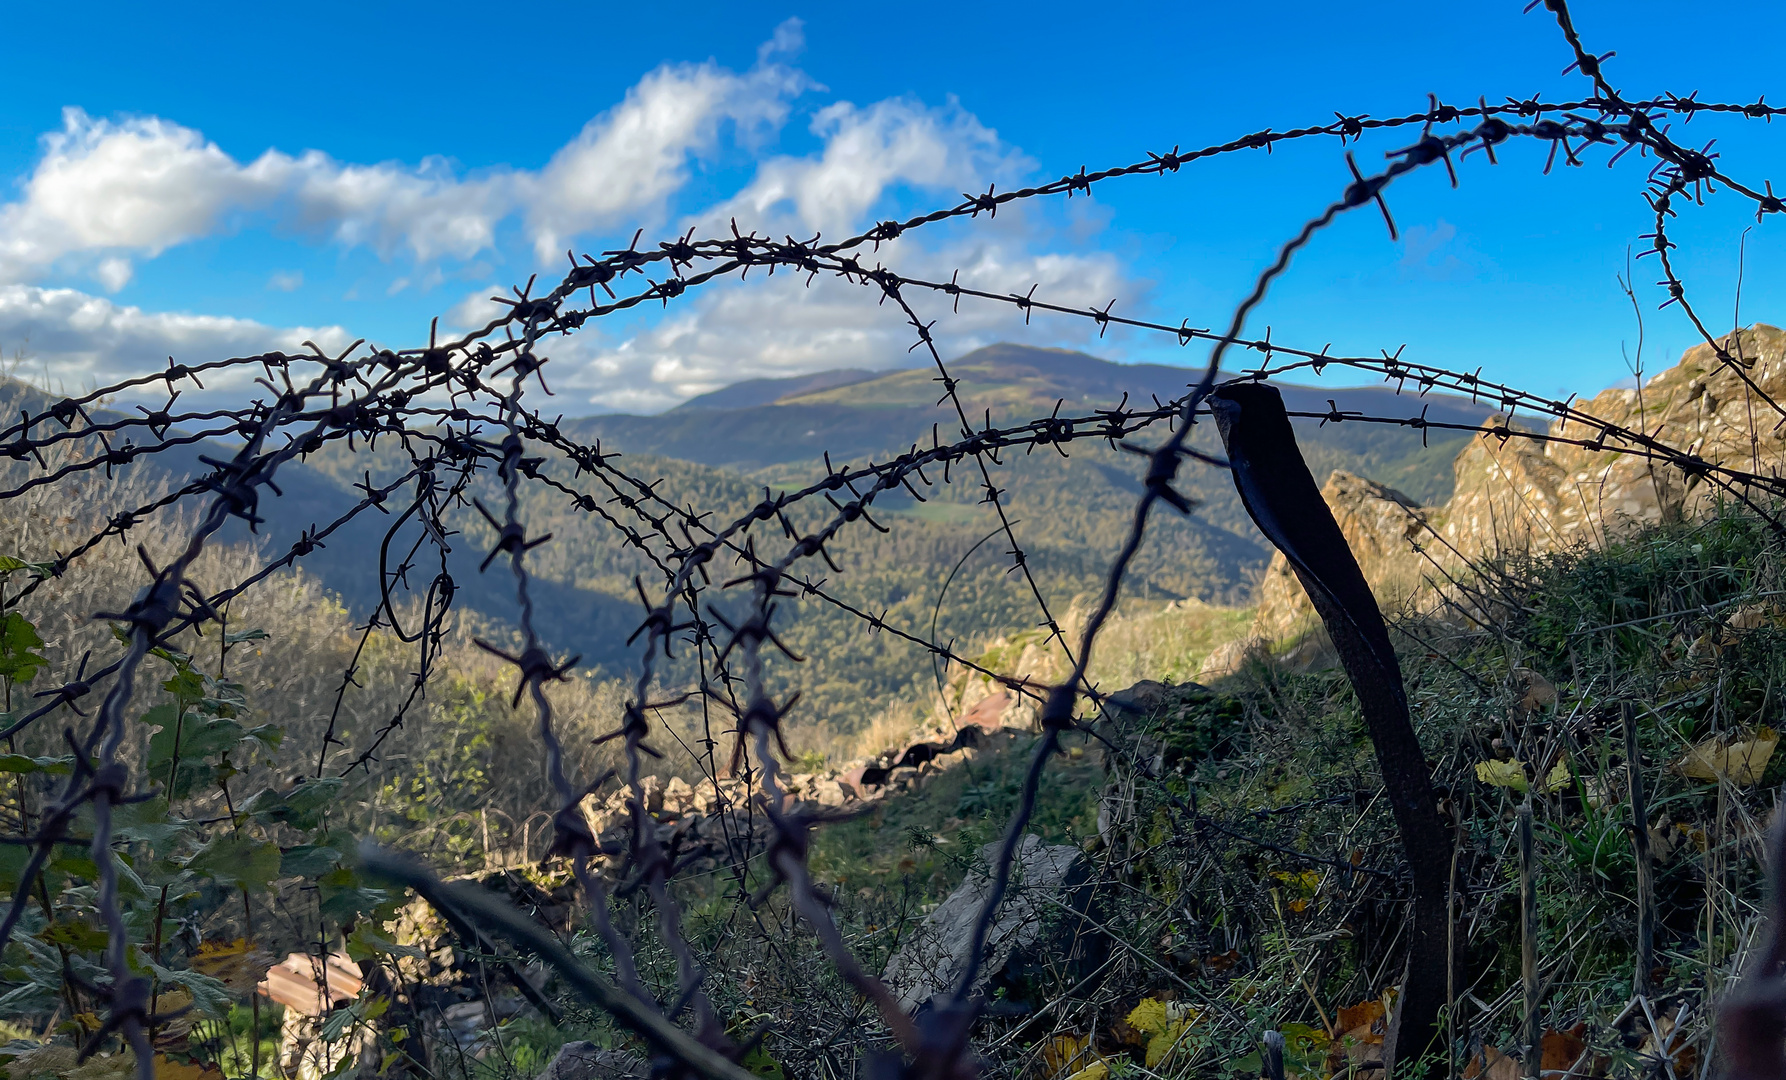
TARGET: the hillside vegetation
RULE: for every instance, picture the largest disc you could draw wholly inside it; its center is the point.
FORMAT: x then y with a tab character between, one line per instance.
1238	865
1070	513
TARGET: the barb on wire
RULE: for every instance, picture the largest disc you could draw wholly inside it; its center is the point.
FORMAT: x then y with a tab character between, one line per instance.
456	413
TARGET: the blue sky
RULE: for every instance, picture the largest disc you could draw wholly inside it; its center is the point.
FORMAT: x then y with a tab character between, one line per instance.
204	180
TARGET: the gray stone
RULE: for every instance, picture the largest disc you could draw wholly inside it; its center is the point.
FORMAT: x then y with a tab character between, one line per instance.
587	1061
936	957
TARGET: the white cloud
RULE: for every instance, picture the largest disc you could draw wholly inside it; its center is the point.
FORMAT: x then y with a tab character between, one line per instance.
788	40
140	185
81	338
426	209
866	152
631	158
476	309
109	191
777	326
114	273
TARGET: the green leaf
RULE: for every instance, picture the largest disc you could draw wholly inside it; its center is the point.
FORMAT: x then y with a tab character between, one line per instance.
147	822
12	864
268	735
341	896
33	997
300	807
17	638
177	659
312	795
339	1023
236	860
129	884
19	763
758	1061
239	636
75	865
10	564
266	806
308	861
197	738
73	935
210	995
366	942
185	684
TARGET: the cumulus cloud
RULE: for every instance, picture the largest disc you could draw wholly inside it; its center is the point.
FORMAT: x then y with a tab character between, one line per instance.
136	184
109	194
867	151
779	326
476	308
427	209
83	339
633	157
107	188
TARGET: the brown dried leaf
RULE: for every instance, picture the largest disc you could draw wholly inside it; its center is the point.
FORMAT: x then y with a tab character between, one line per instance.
1559	1050
1362	1021
1742	763
1491	1064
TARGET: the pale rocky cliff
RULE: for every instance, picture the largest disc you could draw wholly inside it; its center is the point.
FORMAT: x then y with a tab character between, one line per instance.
1517	494
1380	525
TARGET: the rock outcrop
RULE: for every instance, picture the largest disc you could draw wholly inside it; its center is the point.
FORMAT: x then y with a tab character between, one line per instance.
1380	525
936	957
1515	494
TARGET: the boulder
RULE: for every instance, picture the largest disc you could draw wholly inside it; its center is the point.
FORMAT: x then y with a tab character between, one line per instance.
1047	882
1143	699
988	714
1231	658
679	797
587	1061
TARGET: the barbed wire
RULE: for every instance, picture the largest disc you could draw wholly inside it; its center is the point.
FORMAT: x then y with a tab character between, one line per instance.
459	411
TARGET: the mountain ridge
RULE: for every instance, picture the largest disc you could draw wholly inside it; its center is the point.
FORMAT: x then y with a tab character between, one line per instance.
933	573
886	412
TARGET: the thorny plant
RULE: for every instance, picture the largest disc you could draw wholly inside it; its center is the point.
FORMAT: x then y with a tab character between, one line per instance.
462	408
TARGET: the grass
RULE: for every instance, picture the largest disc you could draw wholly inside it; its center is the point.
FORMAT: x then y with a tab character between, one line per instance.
1245	868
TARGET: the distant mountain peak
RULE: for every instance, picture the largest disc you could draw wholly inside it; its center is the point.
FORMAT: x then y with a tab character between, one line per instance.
753	392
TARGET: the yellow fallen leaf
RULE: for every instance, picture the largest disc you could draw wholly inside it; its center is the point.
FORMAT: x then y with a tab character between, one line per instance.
1742	763
1491	1064
1154	1016
168	1069
1361	1020
1162	1045
1511	774
1508	774
1557	778
1097	1070
1067	1053
1149	1016
236	964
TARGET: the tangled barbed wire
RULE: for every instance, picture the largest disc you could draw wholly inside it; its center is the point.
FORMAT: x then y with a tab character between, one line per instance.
464	408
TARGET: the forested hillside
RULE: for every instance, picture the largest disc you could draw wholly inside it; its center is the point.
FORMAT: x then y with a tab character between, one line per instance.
1069	510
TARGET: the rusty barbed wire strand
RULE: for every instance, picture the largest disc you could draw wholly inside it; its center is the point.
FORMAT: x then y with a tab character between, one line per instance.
386	394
